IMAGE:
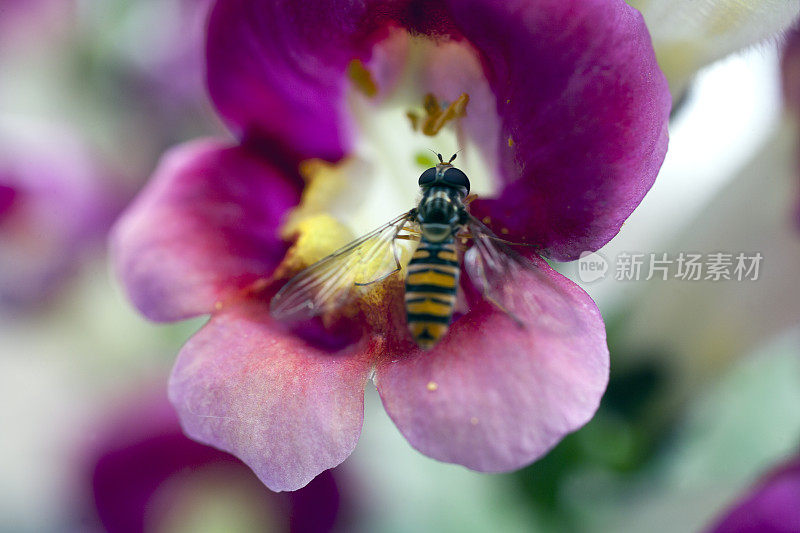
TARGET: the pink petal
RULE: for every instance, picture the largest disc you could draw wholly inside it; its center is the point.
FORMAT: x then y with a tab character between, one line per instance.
250	387
493	396
205	226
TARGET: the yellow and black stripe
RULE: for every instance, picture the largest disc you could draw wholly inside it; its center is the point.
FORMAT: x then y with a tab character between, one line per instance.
431	290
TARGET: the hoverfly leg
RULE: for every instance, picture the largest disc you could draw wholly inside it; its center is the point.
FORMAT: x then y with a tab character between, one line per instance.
511	315
497	304
498	239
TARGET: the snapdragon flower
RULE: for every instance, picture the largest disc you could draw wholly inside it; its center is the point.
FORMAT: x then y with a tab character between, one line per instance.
559	108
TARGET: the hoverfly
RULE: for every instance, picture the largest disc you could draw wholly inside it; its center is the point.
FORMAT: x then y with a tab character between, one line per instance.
434	227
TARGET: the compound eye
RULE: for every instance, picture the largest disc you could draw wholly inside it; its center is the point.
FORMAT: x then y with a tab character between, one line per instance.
455	178
428	177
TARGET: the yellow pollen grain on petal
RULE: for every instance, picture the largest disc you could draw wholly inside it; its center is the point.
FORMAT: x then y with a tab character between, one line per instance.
510	142
218	305
362	78
487	220
432	386
504	231
474	420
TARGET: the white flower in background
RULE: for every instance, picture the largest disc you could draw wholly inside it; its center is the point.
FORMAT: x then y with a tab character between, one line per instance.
690	34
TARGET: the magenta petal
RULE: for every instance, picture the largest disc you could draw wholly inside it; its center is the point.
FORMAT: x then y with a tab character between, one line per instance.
276	71
585	105
493	396
205	226
288	410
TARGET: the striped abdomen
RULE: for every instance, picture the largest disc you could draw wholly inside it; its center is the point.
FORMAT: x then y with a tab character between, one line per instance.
431	290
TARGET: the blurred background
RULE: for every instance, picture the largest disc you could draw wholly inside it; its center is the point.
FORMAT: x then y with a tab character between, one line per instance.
704	397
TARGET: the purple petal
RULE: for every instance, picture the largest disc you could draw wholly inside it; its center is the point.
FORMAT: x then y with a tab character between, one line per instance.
493	396
586	106
288	410
204	227
772	507
276	71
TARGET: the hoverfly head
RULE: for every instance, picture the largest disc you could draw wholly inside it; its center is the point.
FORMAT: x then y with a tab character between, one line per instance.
446	175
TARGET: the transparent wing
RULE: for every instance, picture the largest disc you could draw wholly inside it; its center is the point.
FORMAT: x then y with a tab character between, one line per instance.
493	267
335	280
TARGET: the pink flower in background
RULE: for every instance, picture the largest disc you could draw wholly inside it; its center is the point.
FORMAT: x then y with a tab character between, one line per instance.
27	22
772	506
168	65
790	66
566	107
147	476
790	69
55	207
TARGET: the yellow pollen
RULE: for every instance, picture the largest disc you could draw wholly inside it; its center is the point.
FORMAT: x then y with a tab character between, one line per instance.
432	386
218	305
487	220
362	78
504	231
473	421
510	142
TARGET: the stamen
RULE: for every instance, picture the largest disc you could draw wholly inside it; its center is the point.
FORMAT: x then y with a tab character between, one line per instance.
362	78
437	117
